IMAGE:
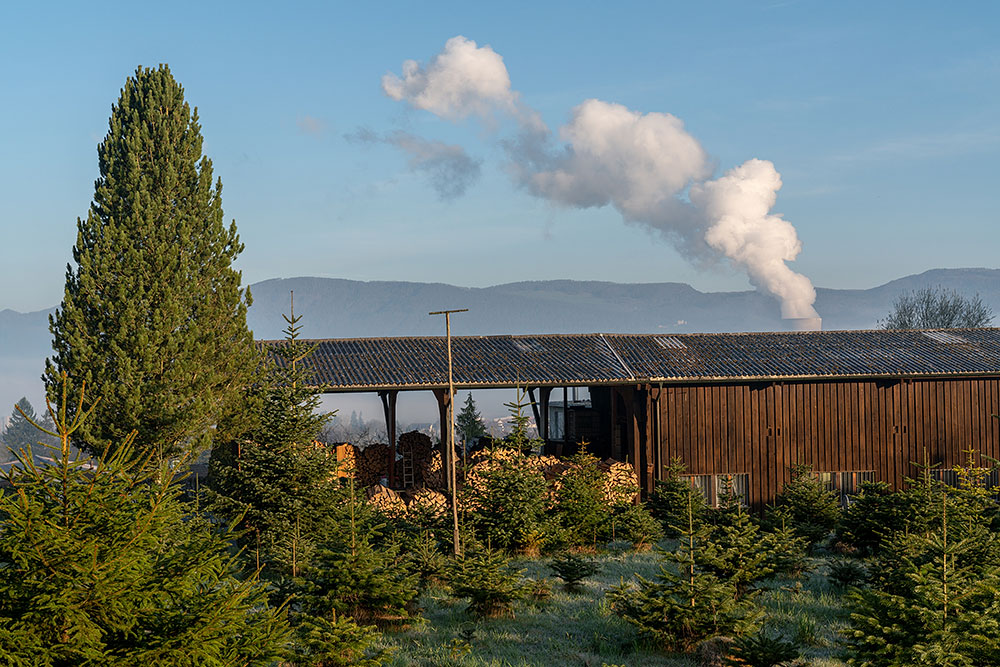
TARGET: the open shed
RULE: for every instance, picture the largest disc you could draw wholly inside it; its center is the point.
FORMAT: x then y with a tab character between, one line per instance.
855	405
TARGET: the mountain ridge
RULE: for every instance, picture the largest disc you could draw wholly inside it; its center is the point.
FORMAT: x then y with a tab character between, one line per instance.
343	308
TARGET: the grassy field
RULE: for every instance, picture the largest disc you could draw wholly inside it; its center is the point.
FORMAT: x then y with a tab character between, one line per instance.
579	628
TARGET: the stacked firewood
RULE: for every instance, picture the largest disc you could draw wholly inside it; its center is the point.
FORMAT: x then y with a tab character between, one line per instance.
386	501
347	460
621	486
432	470
620	483
428	502
552	467
372	464
415	447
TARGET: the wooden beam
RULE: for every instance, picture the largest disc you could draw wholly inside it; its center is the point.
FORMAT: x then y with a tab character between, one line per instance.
615	449
389	410
566	439
444	398
648	466
534	409
635	435
543	395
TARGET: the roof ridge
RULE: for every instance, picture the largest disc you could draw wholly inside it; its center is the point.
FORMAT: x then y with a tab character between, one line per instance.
713	334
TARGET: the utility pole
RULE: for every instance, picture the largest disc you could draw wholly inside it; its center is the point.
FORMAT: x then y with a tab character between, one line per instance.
450	446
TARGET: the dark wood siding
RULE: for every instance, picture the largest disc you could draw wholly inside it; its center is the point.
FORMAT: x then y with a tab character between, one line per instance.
883	426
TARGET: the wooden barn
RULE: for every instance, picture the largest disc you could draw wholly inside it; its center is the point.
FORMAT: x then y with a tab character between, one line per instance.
855	405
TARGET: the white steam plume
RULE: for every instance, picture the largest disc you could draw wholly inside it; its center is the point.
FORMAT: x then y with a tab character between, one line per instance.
642	164
639	163
741	226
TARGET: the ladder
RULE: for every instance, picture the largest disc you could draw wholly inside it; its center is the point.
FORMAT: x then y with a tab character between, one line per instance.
408	469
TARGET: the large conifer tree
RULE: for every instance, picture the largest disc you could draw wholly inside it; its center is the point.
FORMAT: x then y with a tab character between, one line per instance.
153	301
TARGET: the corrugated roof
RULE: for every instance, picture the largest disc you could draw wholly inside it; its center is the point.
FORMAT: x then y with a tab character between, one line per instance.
370	364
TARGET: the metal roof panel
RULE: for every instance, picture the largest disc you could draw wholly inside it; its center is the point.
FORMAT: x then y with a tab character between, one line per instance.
369	364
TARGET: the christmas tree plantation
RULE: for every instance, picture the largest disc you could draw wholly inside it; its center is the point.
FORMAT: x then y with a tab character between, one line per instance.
105	564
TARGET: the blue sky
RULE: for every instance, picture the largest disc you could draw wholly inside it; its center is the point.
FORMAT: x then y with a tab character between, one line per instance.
883	120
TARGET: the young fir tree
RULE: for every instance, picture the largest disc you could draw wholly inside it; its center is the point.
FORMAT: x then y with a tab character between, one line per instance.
872	515
785	549
486	578
518	437
105	564
275	479
935	602
506	494
685	603
573	569
670	500
507	498
356	581
153	312
469	422
807	506
580	506
735	551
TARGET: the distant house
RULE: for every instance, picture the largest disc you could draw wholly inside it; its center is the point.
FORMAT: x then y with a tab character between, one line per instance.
855	405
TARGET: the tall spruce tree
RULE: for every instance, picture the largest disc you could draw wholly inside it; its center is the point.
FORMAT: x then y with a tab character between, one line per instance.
153	301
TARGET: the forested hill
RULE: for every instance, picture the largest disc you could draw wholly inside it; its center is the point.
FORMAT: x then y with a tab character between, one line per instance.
334	308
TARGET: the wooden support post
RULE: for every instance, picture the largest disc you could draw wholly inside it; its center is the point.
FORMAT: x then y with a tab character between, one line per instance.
389	409
444	400
648	441
543	396
450	458
534	410
566	439
635	433
657	429
615	445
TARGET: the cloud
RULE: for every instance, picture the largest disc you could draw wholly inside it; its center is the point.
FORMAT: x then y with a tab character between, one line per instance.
645	165
311	125
462	80
447	167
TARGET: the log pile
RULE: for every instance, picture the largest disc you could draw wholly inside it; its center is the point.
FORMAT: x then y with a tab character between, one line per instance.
553	467
347	460
386	501
621	486
415	447
432	470
429	503
372	464
620	483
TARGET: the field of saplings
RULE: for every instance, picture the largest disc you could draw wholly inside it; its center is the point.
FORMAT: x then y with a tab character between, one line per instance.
297	555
